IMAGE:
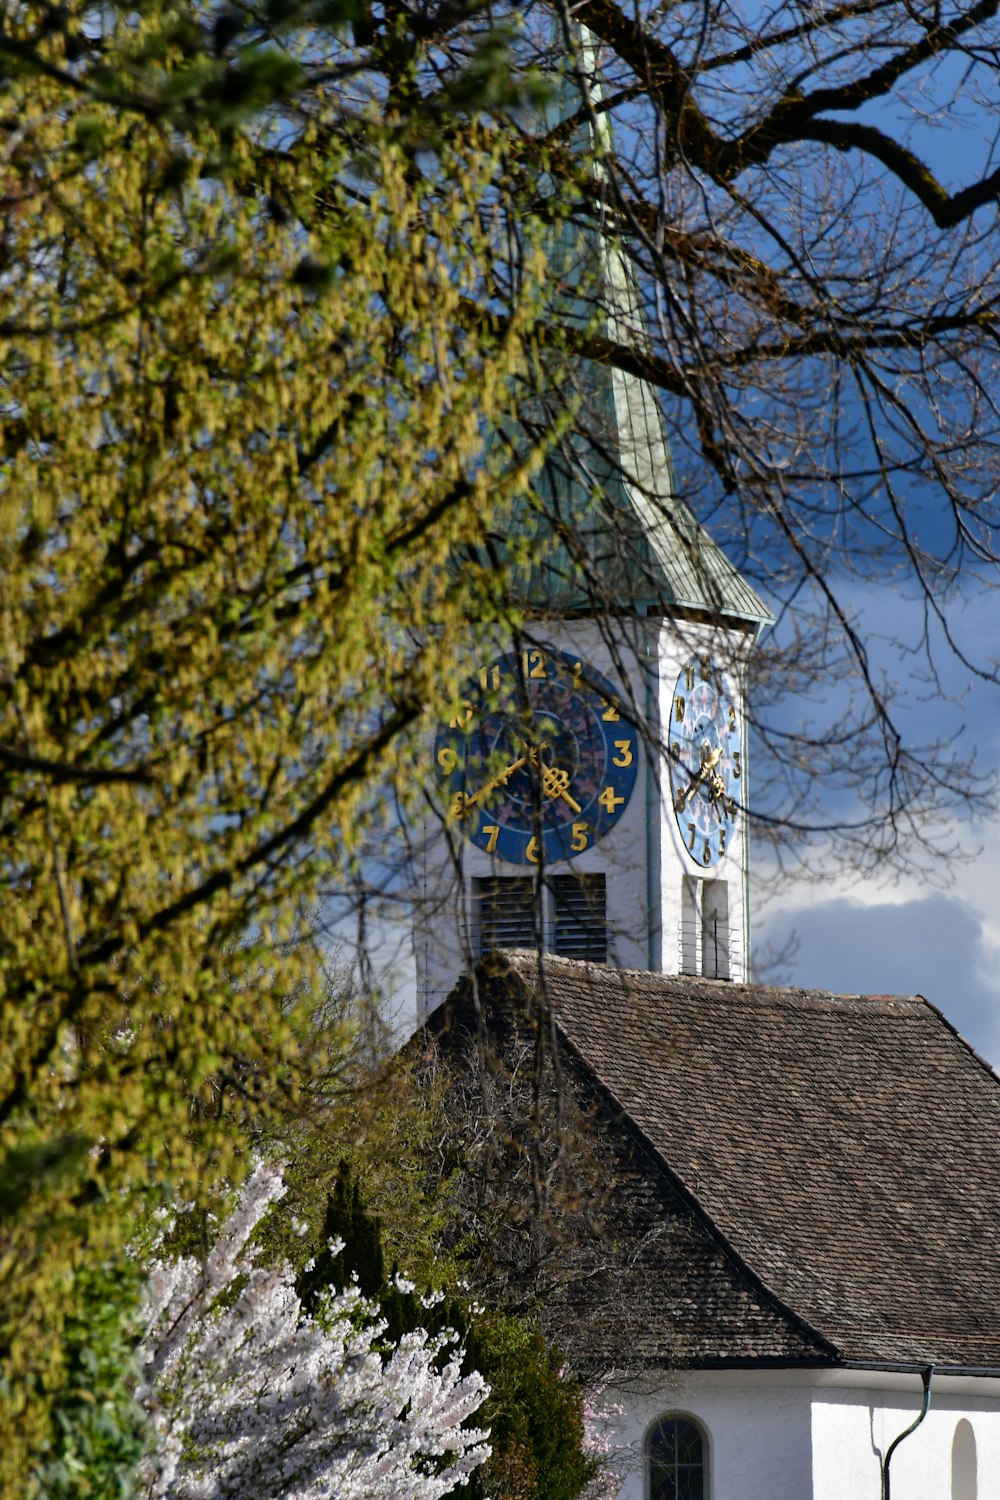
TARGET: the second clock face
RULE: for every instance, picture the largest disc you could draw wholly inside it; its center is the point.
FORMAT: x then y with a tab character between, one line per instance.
705	761
540	761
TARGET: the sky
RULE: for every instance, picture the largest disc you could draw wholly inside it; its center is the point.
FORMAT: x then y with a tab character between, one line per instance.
867	938
934	933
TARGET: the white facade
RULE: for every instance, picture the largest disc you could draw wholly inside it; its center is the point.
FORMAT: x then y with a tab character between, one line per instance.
659	895
819	1434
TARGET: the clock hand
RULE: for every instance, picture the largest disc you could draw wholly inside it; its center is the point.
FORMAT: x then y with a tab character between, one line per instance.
709	760
683	793
555	783
500	780
707	775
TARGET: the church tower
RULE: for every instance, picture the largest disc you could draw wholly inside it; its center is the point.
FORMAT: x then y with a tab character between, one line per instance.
592	785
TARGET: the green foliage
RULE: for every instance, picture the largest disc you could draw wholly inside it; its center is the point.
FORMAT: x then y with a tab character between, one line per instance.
383	1121
535	1411
98	1434
346	1219
349	1221
231	499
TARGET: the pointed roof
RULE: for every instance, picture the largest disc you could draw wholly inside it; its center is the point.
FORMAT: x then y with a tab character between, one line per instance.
843	1149
612	522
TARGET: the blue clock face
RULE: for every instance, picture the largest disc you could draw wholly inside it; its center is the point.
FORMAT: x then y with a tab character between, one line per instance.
705	761
540	761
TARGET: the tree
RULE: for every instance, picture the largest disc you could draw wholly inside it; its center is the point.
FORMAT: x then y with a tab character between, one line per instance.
99	1432
250	1393
810	200
240	455
824	330
535	1189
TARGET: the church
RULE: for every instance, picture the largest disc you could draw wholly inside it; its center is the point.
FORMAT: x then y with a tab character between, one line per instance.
791	1283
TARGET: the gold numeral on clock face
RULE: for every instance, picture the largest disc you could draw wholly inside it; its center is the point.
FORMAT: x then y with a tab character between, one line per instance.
533	664
679	706
489	678
577	675
691	837
681	798
611	714
624	756
532	852
580	839
706	854
609	800
722	842
731	806
459	806
447	759
732	719
689	678
462	717
492	831
736	765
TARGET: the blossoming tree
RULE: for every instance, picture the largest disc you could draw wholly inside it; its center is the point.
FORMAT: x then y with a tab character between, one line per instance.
250	1394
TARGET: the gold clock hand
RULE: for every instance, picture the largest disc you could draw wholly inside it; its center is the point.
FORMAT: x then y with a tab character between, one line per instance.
707	775
709	760
500	780
555	783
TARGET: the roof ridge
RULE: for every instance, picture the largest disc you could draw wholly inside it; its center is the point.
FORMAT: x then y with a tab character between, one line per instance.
743	988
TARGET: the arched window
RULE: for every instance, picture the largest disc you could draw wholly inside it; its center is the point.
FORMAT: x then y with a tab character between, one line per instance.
677	1460
963	1462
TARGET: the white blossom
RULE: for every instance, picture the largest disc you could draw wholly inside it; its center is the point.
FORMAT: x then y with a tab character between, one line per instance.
601	1421
252	1398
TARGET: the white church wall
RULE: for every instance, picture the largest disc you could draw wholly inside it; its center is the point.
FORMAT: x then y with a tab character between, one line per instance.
816	1435
757	1431
953	1455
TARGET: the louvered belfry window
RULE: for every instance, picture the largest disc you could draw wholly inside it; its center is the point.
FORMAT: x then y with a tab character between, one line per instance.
581	917
571	921
507	914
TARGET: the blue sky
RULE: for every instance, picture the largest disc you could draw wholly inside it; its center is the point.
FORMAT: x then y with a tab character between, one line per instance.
934	931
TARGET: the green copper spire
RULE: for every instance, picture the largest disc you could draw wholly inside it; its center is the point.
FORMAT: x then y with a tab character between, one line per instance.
607	528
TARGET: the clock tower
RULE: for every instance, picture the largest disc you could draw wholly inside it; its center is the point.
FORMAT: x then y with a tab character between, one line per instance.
589	793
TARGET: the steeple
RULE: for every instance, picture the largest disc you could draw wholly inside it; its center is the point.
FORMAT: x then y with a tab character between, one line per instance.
607	528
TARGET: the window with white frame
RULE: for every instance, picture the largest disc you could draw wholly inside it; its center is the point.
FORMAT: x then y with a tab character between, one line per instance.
677	1460
706	938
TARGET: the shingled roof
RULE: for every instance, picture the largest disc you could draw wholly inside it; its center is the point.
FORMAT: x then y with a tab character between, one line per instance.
843	1149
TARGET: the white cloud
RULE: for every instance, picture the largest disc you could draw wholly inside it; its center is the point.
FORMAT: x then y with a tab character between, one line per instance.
904	936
